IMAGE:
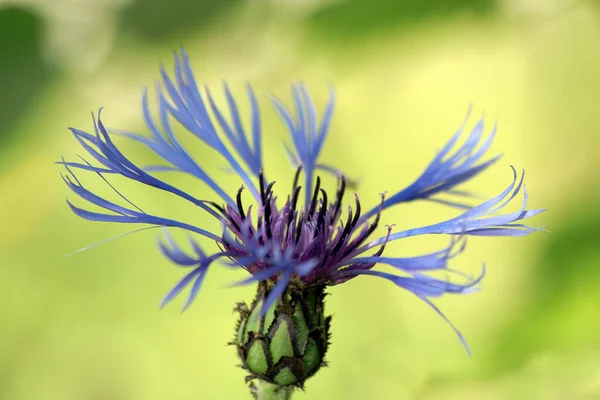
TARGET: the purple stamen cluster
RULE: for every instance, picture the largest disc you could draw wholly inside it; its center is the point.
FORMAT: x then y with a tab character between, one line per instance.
315	236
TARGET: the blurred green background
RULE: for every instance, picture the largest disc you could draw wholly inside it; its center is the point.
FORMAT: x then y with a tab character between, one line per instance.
88	326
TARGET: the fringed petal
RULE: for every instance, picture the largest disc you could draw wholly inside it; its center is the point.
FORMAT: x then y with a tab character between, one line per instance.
446	171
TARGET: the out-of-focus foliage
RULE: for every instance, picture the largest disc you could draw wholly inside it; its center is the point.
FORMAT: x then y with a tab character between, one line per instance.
87	326
355	18
155	20
22	70
566	273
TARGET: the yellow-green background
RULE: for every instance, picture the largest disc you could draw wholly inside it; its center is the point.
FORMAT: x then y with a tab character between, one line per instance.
88	326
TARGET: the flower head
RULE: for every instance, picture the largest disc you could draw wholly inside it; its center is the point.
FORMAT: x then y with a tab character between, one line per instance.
309	236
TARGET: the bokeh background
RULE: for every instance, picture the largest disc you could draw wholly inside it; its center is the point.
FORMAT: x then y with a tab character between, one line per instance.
88	326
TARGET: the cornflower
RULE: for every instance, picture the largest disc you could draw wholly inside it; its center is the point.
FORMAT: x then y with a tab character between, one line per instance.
296	248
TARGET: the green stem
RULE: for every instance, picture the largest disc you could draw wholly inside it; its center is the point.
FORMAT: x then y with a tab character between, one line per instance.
268	391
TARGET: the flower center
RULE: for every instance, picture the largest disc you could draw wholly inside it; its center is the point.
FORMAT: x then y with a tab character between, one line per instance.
315	231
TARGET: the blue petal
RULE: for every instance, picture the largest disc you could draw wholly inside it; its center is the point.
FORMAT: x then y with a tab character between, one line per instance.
256	125
262	275
423	285
85	167
114	160
176	254
458	333
472	221
198	274
307	134
306	267
182	285
442	176
125	215
277	291
432	261
191	111
195	289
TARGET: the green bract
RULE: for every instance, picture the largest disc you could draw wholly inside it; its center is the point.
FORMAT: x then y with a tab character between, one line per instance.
287	344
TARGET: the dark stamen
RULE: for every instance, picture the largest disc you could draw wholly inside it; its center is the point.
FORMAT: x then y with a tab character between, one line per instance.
345	233
239	203
313	203
338	199
235	225
295	198
268	214
269	189
363	237
297	177
293	208
321	218
299	228
249	215
229	215
258	225
357	215
261	180
218	208
380	251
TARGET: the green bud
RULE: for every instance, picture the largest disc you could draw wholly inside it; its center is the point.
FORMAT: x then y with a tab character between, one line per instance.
287	344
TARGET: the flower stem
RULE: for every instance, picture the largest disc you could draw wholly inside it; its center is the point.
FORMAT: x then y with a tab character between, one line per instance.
268	391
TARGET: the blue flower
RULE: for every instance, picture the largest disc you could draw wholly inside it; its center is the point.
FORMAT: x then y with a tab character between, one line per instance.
314	240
